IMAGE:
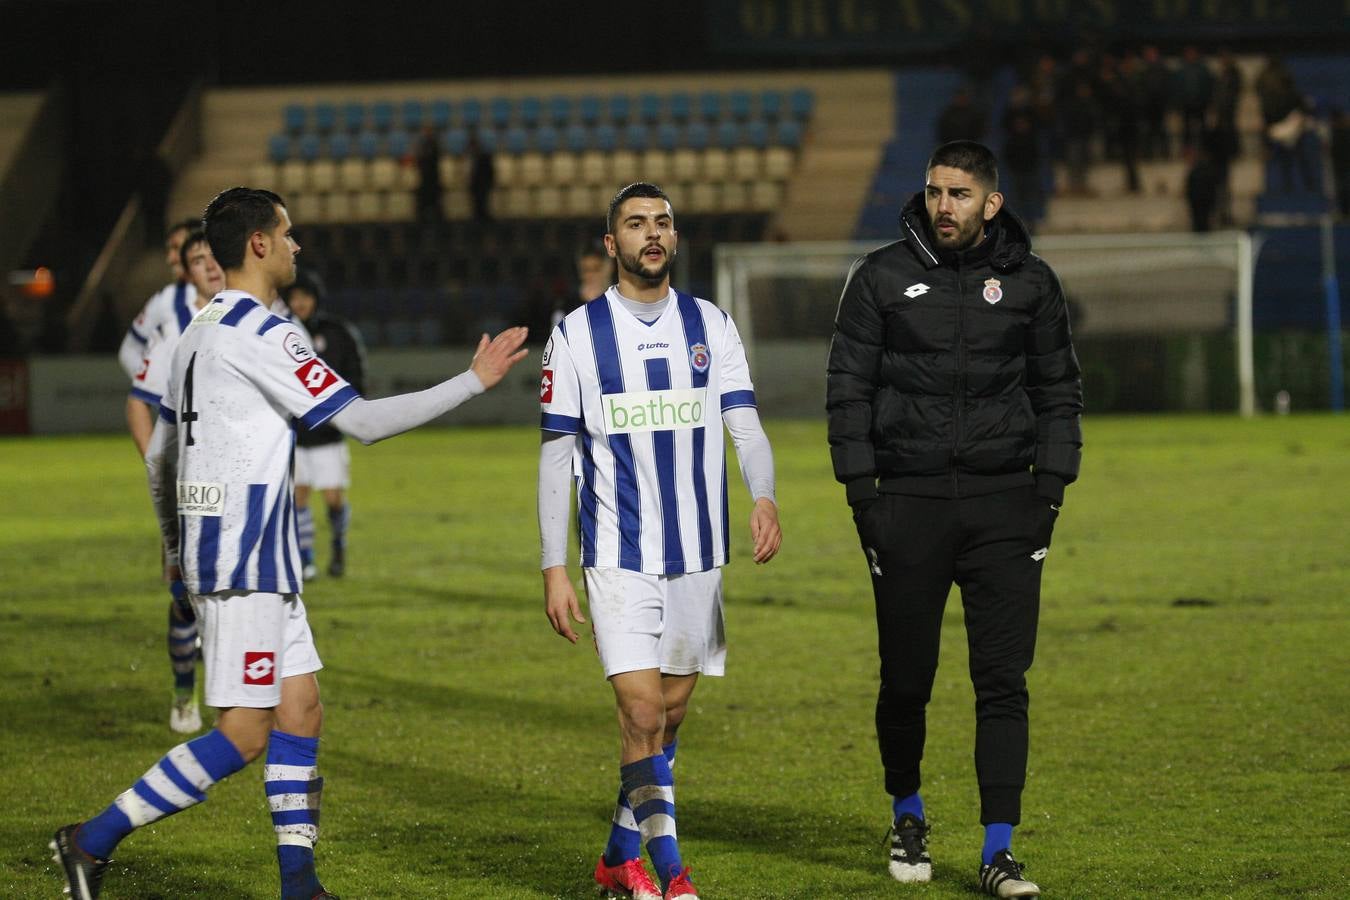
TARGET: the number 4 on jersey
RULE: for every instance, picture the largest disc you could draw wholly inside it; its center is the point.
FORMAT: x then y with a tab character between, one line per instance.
316	377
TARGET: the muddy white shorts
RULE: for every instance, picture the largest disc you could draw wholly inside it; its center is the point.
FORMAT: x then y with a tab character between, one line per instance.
325	467
250	641
667	622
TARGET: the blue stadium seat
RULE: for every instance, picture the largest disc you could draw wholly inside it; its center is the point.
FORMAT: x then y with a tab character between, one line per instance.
530	111
440	114
696	136
499	112
546	139
738	104
340	146
382	115
667	136
757	134
515	140
559	111
589	108
710	105
455	141
649	108
681	106
413	115
578	138
802	103
325	117
606	138
368	145
636	137
488	140
728	135
771	105
788	134
279	148
399	144
294	117
310	147
353	116
620	108
471	113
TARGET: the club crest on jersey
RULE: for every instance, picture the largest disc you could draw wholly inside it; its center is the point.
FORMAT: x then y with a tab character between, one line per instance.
546	386
992	292
316	377
259	667
699	358
295	346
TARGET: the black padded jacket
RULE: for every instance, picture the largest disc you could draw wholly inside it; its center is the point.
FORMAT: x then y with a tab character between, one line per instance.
952	374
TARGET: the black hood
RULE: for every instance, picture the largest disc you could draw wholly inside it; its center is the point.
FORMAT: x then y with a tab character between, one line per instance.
1006	246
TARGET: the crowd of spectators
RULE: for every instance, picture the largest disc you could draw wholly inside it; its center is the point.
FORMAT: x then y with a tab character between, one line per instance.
1131	105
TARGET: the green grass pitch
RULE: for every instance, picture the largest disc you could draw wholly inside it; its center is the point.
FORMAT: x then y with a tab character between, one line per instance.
1190	697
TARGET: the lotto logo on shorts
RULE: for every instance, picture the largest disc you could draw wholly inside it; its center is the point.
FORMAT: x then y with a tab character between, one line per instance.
316	377
259	668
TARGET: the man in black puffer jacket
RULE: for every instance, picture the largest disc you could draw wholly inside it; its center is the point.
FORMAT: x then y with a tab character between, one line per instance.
954	403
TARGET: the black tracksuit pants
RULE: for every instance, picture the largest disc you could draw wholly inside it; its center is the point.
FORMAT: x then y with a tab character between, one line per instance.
916	548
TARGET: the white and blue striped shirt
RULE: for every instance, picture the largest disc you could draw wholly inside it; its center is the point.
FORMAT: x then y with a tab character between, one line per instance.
239	374
645	402
147	346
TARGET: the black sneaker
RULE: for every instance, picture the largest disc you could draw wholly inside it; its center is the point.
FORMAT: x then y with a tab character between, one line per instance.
338	564
1003	878
84	873
909	850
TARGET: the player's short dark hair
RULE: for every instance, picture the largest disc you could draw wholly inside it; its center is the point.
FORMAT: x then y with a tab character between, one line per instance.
968	156
195	236
306	280
233	216
190	224
592	248
638	189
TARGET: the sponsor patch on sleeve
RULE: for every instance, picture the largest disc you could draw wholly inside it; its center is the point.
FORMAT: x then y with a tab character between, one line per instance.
546	386
297	348
316	377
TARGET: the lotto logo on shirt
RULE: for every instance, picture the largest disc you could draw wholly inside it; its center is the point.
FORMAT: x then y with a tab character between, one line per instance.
259	667
316	377
546	387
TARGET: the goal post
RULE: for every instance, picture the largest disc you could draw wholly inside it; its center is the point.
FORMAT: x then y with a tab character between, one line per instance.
1162	322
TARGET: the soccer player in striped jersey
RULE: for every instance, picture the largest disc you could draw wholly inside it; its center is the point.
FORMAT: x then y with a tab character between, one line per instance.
219	466
205	278
636	388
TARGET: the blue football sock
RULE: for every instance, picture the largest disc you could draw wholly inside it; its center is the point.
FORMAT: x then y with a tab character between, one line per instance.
997	836
177	781
339	517
293	788
304	527
182	639
913	804
651	794
625	841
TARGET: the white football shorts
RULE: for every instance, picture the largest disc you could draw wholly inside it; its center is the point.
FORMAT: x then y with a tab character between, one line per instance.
325	467
668	622
250	641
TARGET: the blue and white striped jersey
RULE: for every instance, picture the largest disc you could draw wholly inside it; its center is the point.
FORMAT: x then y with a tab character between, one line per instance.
239	374
164	317
645	402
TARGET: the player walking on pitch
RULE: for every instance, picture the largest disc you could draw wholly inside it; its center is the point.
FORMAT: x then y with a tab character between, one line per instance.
635	390
219	466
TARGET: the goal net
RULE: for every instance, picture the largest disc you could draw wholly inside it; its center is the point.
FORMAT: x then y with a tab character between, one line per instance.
1162	322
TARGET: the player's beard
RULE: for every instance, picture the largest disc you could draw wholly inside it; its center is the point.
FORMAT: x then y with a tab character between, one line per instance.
633	264
966	236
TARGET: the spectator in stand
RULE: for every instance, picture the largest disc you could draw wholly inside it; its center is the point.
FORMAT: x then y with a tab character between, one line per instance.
1043	84
428	157
1284	120
1155	85
482	178
962	120
1340	159
1022	156
1194	91
1079	115
1121	106
1202	188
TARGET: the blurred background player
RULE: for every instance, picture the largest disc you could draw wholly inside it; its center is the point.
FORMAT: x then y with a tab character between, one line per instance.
322	461
595	273
167	311
219	467
636	387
